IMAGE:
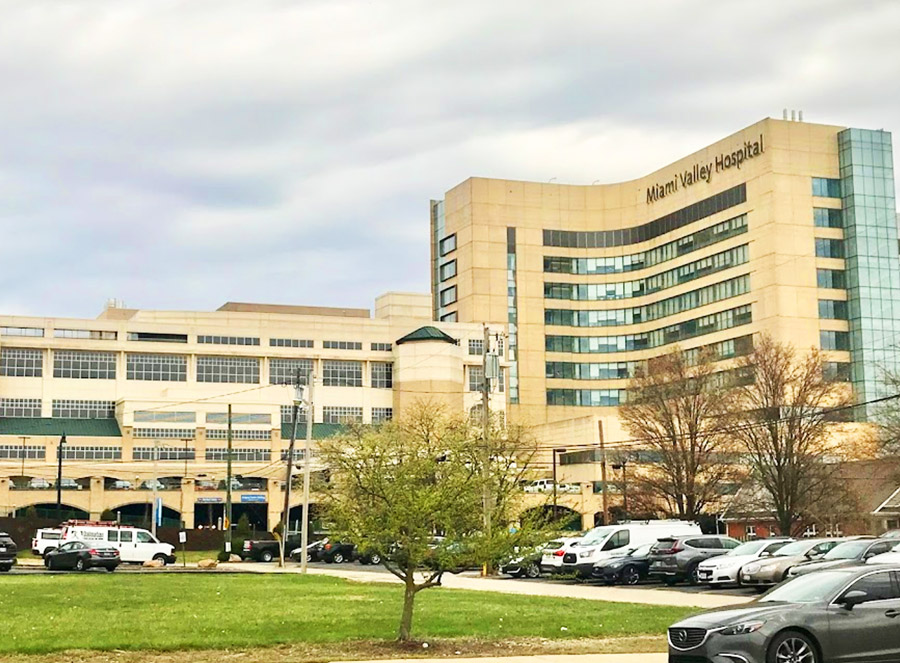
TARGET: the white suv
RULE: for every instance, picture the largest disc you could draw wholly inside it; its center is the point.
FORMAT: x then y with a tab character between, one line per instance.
134	544
45	540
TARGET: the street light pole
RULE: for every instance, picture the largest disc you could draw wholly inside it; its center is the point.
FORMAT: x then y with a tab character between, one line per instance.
624	467
228	507
295	408
304	528
59	464
555	509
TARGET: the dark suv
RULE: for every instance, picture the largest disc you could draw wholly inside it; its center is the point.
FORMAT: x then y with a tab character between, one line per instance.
7	552
674	559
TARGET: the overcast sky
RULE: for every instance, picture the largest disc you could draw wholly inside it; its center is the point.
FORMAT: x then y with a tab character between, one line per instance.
177	155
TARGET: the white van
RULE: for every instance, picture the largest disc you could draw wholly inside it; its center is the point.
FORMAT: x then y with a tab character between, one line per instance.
45	540
134	544
607	541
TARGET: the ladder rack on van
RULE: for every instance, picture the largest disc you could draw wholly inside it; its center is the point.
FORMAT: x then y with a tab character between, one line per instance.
95	523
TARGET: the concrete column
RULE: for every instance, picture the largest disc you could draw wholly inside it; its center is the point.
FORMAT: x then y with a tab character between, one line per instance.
95	499
188	499
587	521
5	502
200	445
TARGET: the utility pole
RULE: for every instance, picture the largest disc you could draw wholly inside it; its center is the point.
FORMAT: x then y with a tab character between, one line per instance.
304	530
623	465
485	435
555	508
59	463
228	511
24	446
295	409
603	485
153	512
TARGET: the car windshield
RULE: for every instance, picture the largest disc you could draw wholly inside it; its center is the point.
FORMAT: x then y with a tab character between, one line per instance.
848	550
749	548
643	551
597	535
795	548
809	588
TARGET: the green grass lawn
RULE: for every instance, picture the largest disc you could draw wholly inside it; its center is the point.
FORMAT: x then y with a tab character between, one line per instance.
163	612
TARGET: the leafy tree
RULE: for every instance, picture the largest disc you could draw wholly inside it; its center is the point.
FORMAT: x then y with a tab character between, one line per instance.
108	515
242	529
677	408
785	424
411	490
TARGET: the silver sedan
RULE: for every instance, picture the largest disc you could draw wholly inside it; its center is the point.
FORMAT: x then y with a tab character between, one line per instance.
848	614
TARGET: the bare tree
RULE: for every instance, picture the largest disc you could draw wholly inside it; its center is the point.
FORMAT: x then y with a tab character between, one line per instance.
677	409
784	425
411	490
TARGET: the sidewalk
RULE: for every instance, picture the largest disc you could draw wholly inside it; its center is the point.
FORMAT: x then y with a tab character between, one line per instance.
561	658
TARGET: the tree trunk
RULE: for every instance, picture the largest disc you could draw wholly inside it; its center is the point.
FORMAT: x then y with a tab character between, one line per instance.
409	596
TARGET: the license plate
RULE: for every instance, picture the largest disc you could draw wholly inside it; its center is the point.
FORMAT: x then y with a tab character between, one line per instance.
2	548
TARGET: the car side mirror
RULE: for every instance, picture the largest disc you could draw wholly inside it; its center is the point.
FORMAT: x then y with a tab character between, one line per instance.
765	554
851	599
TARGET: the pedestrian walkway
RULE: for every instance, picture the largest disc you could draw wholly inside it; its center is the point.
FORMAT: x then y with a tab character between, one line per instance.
561	658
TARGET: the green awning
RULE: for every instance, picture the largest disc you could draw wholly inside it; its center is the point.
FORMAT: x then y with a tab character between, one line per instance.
48	427
427	333
319	431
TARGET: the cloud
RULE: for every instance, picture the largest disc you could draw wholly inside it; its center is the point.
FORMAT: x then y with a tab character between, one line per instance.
181	154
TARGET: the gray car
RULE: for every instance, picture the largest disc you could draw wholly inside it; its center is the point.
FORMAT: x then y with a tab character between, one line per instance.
770	571
848	553
677	558
848	614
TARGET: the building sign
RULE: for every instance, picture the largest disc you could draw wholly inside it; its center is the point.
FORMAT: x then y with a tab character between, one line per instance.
209	500
703	172
253	498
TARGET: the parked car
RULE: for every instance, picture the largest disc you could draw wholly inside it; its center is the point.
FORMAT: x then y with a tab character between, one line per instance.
39	484
122	484
540	486
44	540
133	543
70	484
726	569
527	565
607	541
554	551
629	568
266	550
845	614
848	553
8	552
891	534
369	557
892	556
772	570
153	484
81	556
674	559
313	551
337	552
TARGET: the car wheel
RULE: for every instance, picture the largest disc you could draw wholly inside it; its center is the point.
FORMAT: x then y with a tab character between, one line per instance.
110	569
47	562
693	576
793	647
48	550
80	565
630	575
533	571
363	560
4	568
338	558
266	556
376	559
670	582
161	558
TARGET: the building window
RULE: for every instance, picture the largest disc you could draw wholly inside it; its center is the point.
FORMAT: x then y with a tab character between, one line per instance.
92	453
87	334
165	453
829	248
21	363
832	309
22	331
22	452
448	270
290	343
834	340
156	337
836	371
239	434
20	407
228	340
285	371
342	373
156	368
165	433
339	414
476	378
238	455
342	345
381	414
287	411
71	409
739	255
831	278
586	397
448	296
154	416
382	347
240	370
447	245
476	346
382	375
84	365
825	187
239	418
825	217
450	317
750	531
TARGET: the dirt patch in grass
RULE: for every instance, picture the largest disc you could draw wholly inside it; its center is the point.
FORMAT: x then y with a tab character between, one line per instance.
361	650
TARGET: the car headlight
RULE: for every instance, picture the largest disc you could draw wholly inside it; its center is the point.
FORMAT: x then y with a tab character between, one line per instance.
743	629
753	568
587	553
616	565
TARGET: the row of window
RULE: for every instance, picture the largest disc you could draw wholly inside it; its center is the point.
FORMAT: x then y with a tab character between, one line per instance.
447	270
826	217
586	397
238	434
166	417
448	296
829	248
22	452
476	346
834	340
655	311
831	278
635	261
290	343
825	187
832	309
637	288
342	345
20	407
476	379
656	338
666	224
92	334
91	453
228	340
